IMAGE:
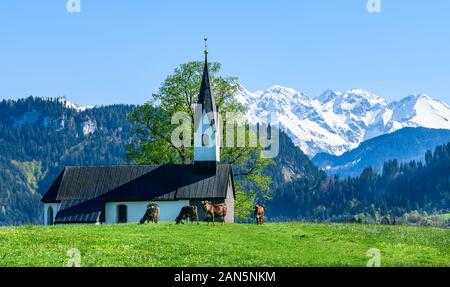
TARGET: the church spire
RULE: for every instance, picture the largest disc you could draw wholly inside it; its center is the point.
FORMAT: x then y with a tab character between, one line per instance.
206	124
205	97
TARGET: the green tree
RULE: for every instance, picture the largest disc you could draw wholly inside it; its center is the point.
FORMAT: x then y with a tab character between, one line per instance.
245	203
153	128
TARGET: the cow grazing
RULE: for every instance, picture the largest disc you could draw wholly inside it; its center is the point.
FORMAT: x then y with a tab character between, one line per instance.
385	220
187	212
151	214
215	210
260	211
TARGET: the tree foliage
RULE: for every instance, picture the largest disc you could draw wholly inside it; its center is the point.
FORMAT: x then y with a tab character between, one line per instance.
151	140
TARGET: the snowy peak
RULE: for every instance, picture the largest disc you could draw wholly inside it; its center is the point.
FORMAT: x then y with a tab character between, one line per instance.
351	99
277	89
421	110
284	96
72	106
350	95
336	122
328	96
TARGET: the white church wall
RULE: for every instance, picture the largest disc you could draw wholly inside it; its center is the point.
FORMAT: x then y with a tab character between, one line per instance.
229	201
169	210
55	207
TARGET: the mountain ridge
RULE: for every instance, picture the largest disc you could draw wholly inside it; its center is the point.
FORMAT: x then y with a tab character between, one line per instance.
402	145
335	122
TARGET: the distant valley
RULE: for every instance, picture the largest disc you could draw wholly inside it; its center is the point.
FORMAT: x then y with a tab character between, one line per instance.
403	145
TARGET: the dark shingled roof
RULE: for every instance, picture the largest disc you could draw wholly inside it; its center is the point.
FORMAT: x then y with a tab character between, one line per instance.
80	211
52	192
83	190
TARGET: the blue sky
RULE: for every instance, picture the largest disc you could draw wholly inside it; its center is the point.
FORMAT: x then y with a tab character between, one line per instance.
118	51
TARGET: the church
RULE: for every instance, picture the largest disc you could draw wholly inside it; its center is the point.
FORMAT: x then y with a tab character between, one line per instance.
121	193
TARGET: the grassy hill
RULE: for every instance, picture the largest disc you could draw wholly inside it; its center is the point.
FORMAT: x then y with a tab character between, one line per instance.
274	244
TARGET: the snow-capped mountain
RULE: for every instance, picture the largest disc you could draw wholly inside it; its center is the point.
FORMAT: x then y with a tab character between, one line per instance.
336	122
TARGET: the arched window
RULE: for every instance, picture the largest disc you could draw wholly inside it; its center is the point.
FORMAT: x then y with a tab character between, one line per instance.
205	140
122	214
50	215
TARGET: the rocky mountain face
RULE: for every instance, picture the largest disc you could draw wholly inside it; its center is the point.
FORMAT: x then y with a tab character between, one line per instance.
336	122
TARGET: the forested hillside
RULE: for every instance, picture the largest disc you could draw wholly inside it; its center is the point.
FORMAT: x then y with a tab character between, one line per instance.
404	145
38	137
399	189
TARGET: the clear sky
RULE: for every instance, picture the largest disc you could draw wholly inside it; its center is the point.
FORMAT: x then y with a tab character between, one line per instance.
118	51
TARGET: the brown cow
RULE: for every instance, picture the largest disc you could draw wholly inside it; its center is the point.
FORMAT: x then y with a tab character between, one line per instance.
151	214
188	212
260	211
213	210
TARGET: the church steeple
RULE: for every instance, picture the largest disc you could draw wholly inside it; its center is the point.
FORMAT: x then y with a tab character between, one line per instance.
206	128
206	98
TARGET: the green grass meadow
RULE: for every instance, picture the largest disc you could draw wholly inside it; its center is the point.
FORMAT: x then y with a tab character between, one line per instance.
273	244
